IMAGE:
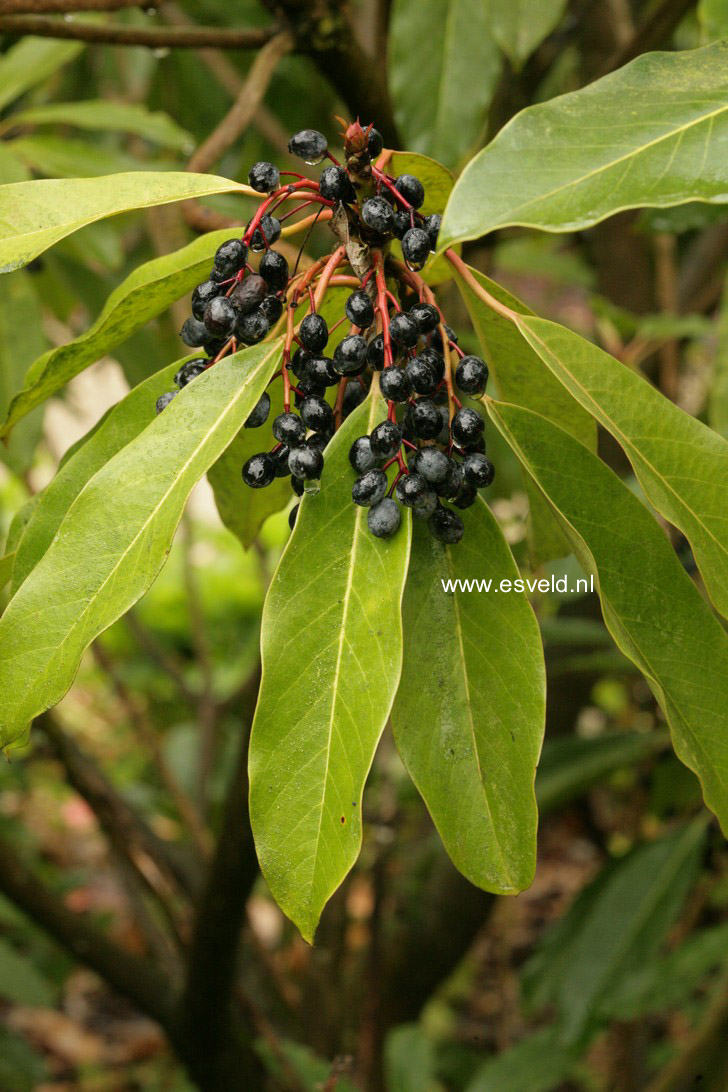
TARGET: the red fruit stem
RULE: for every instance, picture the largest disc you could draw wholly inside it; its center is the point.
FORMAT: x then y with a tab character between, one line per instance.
384	180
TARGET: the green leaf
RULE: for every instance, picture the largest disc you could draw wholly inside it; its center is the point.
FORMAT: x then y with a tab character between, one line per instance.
650	606
30	62
469	725
570	766
332	655
518	26
652	133
680	463
20	982
116	536
520	378
11	168
65	157
244	510
718	395
713	16
145	293
443	67
409	1060
35	215
616	925
538	1063
669	981
6	569
122	424
21	339
110	117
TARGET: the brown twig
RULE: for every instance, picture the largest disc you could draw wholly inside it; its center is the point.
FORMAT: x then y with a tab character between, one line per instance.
667	297
61	7
243	110
154	37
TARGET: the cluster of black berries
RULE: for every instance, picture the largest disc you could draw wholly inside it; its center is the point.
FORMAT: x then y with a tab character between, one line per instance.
436	443
438	458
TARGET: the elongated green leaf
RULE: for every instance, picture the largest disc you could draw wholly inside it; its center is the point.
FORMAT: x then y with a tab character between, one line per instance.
21	339
653	133
30	62
443	67
116	536
6	569
718	397
145	293
332	655
570	766
469	724
518	26
538	1063
118	428
66	157
680	463
244	510
35	215
616	925
119	117
651	607
520	378
11	168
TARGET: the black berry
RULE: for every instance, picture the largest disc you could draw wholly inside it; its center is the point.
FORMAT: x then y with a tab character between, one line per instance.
202	295
190	371
354	395
194	333
375	353
385	439
320	370
259	414
403	330
384	518
230	257
432	227
375	143
446	526
252	328
411	189
350	355
306	462
411	489
272	308
288	428
479	471
426	316
361	456
370	488
314	333
334	184
432	464
259	470
359	309
422	375
416	247
377	215
317	414
467	426
274	269
249	293
220	315
267	233
471	375
264	177
395	384
424	419
308	144
164	400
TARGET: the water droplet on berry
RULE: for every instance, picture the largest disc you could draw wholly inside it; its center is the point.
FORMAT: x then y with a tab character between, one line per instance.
312	486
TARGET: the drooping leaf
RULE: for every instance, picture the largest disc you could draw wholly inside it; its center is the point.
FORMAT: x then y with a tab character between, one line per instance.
538	1063
570	766
680	463
443	67
21	340
332	655
518	26
652	133
116	536
117	428
35	215
616	925
520	378
30	62
469	714
145	293
650	606
118	117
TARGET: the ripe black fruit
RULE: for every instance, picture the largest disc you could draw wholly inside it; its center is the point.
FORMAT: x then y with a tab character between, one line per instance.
288	428
395	385
280	458
230	257
354	395
361	456
264	177
426	317
446	526
259	470
453	482
416	247
164	400
274	269
432	227
436	359
426	505
402	223
411	489
190	371
292	515
272	308
317	414
478	470
424	419
377	215
375	143
369	488
471	375
249	294
432	464
220	316
411	189
259	414
468	495
314	333
202	295
375	353
359	309
422	375
467	426
334	184
403	330
386	439
194	333
306	462
320	370
252	328
384	518
350	355
308	144
267	233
